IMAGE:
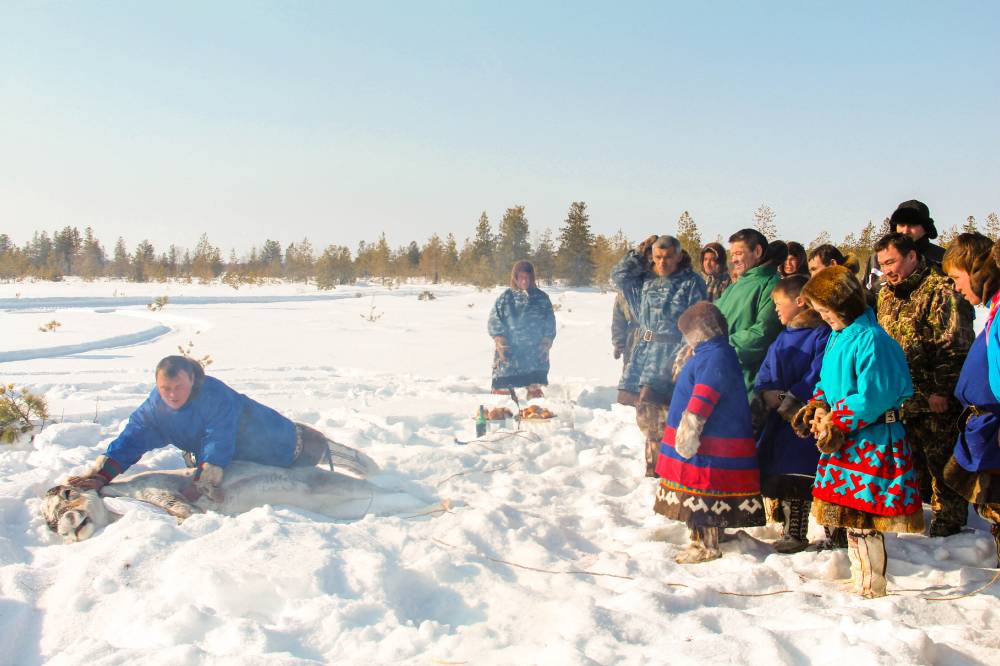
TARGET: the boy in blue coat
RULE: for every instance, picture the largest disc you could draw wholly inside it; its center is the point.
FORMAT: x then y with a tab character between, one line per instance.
216	425
785	383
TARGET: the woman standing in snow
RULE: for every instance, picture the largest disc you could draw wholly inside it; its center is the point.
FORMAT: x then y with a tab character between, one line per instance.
522	324
708	459
974	470
865	480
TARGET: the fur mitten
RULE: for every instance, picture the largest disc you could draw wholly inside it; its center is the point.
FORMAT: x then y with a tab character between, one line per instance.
829	438
689	434
802	421
207	481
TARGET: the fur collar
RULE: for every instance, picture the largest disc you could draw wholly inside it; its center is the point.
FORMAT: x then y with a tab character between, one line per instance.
808	318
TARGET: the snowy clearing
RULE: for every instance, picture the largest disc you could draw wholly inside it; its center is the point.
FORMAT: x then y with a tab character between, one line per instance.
550	554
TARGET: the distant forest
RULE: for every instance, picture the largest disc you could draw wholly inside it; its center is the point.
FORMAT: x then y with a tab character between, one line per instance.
576	257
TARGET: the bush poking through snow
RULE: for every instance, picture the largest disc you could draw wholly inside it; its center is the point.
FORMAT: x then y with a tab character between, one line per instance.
188	353
51	326
158	303
426	295
19	409
373	315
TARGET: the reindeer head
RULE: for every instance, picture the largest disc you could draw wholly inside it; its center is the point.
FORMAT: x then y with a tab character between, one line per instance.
74	514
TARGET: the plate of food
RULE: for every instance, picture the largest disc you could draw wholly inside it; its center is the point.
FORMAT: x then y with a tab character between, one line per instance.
536	413
499	414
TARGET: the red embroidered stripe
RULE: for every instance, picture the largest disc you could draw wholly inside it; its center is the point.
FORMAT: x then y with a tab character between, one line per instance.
706	392
697	405
720	480
829	494
723	447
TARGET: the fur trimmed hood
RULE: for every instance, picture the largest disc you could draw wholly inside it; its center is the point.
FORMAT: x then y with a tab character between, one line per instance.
702	321
522	267
837	288
808	318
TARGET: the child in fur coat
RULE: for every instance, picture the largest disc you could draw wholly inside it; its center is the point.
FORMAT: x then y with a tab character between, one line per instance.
708	458
785	384
865	480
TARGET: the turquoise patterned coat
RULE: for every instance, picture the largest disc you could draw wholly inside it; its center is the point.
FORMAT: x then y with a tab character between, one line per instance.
864	374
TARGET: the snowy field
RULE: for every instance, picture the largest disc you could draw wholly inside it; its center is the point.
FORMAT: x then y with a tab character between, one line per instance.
549	553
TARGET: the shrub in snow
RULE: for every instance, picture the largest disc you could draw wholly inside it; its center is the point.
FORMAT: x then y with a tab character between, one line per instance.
19	409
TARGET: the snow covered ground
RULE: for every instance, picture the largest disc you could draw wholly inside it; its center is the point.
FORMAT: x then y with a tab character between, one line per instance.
550	553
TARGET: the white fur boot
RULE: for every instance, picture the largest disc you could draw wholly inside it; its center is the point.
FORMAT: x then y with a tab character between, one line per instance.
866	549
704	546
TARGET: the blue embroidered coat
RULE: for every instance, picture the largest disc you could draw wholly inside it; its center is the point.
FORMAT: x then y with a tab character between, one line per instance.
711	385
977	449
864	374
792	365
217	424
664	300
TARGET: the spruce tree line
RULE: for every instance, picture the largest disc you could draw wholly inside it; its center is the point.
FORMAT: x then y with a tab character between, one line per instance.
576	257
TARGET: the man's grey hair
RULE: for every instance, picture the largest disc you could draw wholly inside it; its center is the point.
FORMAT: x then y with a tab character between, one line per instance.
667	242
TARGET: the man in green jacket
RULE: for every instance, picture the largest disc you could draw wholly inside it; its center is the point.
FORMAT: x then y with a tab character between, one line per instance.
746	304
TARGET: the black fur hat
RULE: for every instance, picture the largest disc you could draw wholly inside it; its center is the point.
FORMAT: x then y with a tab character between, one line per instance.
914	212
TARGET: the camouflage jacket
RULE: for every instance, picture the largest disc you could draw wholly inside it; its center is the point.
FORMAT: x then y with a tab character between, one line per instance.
624	327
664	300
716	283
528	323
933	325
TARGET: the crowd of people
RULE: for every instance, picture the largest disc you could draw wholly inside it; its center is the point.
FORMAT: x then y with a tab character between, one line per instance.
770	384
788	383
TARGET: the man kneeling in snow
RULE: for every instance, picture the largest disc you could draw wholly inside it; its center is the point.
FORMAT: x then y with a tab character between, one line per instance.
213	423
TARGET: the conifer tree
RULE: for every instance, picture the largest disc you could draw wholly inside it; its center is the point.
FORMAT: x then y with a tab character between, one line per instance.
764	222
511	241
946	236
143	262
865	245
270	258
206	263
885	229
822	239
432	259
573	260
688	235
92	259
993	226
543	258
121	265
970	225
334	267
66	246
449	259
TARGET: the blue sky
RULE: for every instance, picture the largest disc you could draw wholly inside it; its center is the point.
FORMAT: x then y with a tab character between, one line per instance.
337	121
